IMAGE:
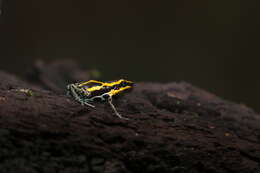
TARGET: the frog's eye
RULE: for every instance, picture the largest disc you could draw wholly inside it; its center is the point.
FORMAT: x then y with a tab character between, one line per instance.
123	83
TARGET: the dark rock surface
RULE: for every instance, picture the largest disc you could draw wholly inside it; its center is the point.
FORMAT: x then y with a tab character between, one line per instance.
174	128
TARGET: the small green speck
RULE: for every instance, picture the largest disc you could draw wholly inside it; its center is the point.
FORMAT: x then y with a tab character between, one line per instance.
195	114
28	92
95	73
178	102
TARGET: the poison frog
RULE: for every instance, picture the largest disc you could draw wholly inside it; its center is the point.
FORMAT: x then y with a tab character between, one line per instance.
91	91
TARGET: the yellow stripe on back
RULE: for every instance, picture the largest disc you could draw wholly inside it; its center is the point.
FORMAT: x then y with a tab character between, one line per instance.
94	88
104	84
114	92
90	81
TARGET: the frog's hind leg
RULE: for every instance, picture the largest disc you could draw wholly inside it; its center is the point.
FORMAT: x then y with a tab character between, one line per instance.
86	103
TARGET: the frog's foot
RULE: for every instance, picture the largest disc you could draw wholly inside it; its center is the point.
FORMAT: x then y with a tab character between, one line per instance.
83	102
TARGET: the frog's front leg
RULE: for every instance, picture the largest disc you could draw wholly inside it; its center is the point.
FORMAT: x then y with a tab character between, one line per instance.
114	109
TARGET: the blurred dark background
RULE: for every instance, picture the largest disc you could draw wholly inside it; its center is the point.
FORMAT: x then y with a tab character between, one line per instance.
211	44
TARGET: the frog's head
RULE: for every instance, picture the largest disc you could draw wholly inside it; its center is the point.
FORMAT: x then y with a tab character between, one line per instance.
124	83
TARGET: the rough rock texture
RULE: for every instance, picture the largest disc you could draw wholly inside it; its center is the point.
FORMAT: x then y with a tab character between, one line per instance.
174	128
